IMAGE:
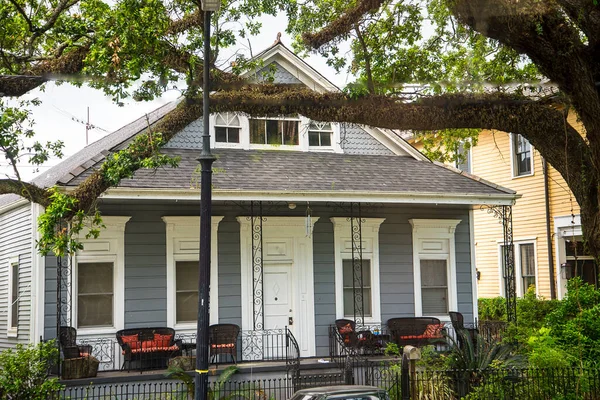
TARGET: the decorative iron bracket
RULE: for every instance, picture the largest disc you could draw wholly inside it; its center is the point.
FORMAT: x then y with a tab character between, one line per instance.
256	220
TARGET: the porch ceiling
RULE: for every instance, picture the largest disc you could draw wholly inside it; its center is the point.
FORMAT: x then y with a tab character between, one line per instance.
288	175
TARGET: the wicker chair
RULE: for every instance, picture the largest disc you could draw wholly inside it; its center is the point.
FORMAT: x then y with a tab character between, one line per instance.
351	338
458	324
147	348
223	341
78	361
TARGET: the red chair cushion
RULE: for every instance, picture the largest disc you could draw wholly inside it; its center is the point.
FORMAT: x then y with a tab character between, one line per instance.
433	331
162	340
133	341
223	346
148	347
413	337
346	329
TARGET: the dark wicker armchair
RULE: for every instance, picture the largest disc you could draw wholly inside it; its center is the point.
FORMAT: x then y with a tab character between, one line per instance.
69	346
351	338
223	341
458	324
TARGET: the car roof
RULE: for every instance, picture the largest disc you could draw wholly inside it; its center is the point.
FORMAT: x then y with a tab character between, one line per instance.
344	389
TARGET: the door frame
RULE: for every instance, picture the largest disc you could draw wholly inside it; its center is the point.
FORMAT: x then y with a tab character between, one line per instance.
301	253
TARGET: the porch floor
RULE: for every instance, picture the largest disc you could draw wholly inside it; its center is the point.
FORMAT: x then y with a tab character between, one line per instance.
311	366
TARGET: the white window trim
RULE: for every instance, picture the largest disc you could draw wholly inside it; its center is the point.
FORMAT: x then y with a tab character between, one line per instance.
108	247
518	269
469	158
441	229
11	331
183	244
370	234
302	140
513	165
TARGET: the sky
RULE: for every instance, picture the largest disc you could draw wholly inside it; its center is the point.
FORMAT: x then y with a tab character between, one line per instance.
62	105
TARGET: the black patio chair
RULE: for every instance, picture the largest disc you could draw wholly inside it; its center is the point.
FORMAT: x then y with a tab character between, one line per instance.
69	346
222	340
458	324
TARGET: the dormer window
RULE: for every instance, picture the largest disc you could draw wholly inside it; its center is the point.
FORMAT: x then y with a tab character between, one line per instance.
227	128
320	134
274	132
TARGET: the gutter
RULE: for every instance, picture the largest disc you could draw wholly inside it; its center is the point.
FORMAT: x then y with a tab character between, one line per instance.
390	197
548	230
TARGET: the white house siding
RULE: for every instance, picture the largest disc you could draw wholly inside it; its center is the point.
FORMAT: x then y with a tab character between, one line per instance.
16	240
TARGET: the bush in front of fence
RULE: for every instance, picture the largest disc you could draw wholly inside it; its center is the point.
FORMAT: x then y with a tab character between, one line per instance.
25	370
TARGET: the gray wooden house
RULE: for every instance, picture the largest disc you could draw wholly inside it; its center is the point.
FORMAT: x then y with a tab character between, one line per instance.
299	207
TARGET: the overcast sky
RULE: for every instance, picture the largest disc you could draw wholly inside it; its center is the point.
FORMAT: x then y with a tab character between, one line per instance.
60	104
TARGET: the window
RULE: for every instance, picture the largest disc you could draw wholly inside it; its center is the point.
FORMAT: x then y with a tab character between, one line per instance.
434	266
345	279
98	280
183	246
320	134
351	280
524	259
95	293
434	287
186	291
13	297
227	128
522	162
274	132
463	161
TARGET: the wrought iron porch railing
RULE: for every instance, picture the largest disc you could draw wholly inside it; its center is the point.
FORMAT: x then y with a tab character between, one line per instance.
276	345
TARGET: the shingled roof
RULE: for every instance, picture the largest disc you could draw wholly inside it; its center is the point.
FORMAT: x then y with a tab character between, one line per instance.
296	172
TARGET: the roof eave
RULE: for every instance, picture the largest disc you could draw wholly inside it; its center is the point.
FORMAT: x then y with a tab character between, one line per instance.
343	196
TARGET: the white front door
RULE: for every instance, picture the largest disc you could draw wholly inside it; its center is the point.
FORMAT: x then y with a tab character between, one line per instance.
287	284
278	296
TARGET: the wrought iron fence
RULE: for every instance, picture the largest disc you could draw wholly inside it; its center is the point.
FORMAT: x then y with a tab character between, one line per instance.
522	384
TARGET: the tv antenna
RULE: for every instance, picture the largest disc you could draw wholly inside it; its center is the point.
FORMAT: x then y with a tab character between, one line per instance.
88	125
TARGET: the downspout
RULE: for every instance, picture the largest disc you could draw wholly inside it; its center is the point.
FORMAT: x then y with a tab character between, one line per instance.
549	231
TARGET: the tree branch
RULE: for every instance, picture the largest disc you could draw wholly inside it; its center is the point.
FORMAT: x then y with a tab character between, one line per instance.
341	25
23	14
24	189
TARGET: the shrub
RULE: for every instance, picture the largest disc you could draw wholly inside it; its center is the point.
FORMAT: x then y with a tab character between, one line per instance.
492	309
24	372
544	352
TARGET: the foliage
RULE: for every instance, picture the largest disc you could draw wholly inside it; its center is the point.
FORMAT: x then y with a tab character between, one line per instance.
575	323
492	309
24	372
545	353
17	136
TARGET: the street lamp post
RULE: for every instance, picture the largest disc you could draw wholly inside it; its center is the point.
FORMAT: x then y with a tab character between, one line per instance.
206	160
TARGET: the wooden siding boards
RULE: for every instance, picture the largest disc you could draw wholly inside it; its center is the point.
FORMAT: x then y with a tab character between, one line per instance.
16	241
145	260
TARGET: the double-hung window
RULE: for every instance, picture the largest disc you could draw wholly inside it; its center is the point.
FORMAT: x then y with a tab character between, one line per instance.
521	155
525	266
463	156
434	266
275	132
95	294
186	291
357	292
13	297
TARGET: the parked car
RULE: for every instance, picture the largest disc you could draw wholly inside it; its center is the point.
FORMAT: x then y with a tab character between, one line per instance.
342	393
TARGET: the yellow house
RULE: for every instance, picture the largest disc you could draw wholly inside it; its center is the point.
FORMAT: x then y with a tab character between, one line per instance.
546	224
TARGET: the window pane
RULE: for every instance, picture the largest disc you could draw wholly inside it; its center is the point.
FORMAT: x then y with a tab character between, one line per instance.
576	248
257	131
95	294
234	135
95	310
433	273
524	163
273	133
434	301
527	259
187	306
313	138
186	274
15	296
290	132
349	302
220	134
325	139
95	278
221	120
348	275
